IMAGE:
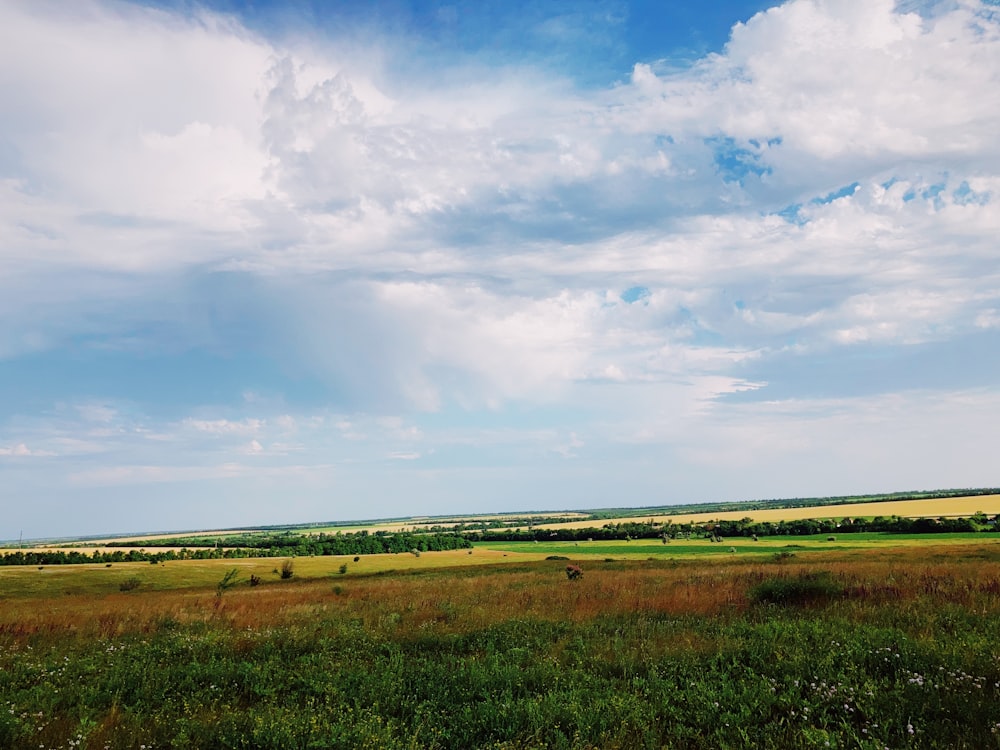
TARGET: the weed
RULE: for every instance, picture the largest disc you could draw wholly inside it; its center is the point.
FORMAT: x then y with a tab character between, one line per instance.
228	581
287	569
800	590
129	584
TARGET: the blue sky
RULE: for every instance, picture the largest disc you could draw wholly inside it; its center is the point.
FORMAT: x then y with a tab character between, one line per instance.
283	262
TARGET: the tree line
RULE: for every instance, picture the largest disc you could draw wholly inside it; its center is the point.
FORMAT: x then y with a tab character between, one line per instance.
339	544
745	527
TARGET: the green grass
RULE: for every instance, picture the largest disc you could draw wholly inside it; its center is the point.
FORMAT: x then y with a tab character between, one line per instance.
682	548
407	664
869	641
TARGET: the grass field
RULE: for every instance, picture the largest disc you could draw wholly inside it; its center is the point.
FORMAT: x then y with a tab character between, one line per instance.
100	579
869	641
934	508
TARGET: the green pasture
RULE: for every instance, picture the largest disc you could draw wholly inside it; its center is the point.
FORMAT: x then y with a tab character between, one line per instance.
696	547
100	579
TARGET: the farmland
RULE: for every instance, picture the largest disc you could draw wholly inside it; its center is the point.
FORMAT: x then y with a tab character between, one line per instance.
869	641
929	508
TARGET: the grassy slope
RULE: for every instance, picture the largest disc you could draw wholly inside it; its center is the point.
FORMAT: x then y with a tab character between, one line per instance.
894	647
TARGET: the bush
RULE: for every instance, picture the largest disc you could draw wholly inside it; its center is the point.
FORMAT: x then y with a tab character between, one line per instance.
129	584
343	569
556	557
227	582
287	570
573	572
802	590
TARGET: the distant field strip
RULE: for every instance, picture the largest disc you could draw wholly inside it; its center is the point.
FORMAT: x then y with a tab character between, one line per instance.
951	506
417	523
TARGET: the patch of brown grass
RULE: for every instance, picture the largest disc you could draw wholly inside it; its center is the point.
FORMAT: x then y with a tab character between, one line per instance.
476	597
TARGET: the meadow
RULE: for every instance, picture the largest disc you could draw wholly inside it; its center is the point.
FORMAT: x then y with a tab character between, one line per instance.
861	643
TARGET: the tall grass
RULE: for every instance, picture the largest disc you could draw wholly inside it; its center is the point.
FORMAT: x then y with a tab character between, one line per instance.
899	651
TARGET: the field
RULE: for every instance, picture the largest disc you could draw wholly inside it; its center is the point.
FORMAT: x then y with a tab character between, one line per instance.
863	642
416	523
934	508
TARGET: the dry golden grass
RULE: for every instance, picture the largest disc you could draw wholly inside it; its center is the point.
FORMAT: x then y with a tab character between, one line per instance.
465	599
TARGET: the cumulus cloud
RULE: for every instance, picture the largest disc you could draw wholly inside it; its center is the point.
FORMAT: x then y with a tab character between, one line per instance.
493	238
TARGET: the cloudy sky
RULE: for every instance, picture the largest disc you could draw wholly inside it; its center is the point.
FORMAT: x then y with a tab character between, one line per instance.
268	262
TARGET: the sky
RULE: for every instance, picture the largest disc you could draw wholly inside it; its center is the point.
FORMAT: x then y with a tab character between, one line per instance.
272	263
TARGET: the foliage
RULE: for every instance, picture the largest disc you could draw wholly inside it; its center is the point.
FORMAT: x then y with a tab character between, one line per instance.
643	656
228	581
287	544
287	569
797	590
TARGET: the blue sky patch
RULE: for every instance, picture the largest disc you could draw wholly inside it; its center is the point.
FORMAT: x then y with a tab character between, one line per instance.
635	294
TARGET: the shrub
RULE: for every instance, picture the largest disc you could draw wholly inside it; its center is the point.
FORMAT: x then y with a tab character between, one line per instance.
573	572
227	582
287	569
356	558
343	569
803	589
129	584
254	580
556	557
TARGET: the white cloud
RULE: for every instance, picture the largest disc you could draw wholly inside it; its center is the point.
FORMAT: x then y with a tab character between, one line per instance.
172	184
247	426
20	450
157	474
404	456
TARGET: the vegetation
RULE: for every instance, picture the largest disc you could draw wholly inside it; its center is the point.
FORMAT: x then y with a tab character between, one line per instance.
283	545
894	649
788	503
747	527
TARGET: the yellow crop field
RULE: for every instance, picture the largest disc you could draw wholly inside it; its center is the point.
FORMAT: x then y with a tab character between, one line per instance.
935	508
